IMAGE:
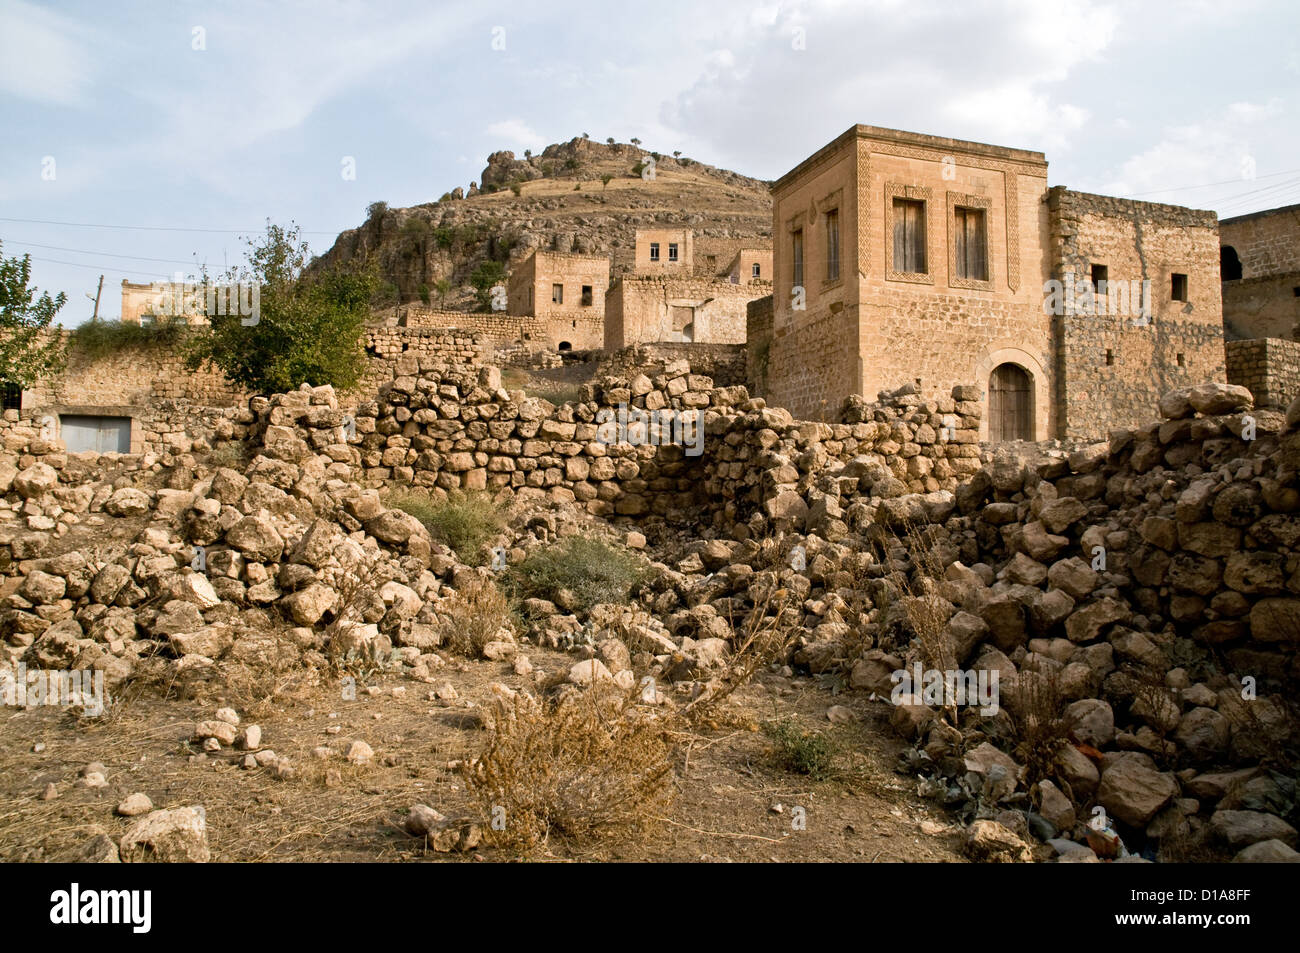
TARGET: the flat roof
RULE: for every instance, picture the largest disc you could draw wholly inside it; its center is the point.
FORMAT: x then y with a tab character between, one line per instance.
955	146
1267	211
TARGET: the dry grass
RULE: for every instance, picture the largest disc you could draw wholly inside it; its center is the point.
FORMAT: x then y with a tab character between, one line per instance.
1036	716
586	765
476	614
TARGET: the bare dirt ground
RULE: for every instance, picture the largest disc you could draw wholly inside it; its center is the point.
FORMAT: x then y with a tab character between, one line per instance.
728	780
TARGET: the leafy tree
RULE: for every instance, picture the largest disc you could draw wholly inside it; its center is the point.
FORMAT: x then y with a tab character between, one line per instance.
677	153
443	287
635	141
28	351
376	210
308	326
484	278
605	180
610	140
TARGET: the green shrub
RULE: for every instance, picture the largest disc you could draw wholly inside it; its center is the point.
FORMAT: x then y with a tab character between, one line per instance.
97	338
463	521
801	751
484	278
591	569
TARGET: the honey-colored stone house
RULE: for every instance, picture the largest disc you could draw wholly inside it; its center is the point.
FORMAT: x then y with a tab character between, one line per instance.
680	293
905	258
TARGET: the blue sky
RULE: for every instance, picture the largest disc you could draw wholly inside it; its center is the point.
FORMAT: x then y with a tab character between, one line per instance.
214	116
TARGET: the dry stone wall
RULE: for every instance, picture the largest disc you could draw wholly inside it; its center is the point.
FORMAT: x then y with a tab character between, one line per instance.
1268	367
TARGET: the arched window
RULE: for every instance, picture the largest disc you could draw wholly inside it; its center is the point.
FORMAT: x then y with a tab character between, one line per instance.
1229	263
1011	411
565	346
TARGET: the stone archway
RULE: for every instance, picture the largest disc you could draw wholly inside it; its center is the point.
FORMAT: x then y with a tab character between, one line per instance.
1036	420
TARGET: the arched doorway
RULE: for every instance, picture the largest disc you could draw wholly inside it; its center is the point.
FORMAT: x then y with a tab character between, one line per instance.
1229	263
565	346
1011	404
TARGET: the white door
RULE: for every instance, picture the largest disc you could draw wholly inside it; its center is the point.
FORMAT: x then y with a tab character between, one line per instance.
101	434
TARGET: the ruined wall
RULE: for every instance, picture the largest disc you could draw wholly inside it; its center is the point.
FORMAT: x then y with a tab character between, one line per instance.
129	376
1112	369
643	308
1269	368
582	328
1263	307
455	428
723	363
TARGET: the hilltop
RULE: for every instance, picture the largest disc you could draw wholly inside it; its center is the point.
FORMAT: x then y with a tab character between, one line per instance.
557	200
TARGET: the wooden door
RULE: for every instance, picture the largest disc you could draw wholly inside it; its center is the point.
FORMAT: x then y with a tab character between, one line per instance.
1010	405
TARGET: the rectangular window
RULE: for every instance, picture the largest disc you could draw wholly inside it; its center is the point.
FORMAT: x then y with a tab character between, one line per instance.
1179	288
12	395
557	294
672	251
756	270
972	244
1100	276
796	256
654	251
909	237
832	244
586	296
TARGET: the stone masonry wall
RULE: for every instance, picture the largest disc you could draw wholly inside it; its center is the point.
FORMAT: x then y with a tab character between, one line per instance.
1267	243
643	308
1268	367
455	428
1264	307
1111	369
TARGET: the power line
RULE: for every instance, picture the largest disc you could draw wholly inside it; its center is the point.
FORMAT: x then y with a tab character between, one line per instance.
149	228
1206	185
107	254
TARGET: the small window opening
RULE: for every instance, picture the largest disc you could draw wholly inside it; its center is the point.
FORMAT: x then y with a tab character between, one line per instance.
586	296
557	294
1110	357
1178	287
1182	361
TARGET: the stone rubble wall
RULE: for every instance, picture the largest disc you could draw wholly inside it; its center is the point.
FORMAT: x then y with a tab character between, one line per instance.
456	428
1268	367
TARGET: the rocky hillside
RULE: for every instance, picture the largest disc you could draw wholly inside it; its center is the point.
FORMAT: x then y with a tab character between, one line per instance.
579	196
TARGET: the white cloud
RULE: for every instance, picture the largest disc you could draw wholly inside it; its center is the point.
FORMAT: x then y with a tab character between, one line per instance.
44	56
990	71
1214	149
515	132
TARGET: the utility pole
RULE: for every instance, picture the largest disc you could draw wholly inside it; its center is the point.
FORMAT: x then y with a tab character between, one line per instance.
98	291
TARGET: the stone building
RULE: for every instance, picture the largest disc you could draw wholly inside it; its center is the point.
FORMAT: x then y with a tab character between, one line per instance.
143	303
686	290
1261	274
565	293
901	258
